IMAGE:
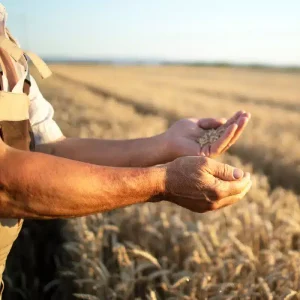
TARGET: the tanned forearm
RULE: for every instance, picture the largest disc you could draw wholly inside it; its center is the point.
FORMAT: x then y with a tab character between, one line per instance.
34	185
124	153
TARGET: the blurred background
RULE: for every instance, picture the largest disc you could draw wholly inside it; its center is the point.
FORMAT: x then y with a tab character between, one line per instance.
129	69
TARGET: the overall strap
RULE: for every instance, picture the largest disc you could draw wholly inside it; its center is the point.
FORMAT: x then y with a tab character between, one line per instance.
27	81
26	90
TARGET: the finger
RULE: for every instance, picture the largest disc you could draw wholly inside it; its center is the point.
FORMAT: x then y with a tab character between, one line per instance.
242	123
205	150
194	120
223	189
234	118
223	171
210	123
218	146
202	206
231	199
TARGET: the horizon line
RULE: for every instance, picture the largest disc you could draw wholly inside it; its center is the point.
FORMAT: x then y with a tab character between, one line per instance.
155	61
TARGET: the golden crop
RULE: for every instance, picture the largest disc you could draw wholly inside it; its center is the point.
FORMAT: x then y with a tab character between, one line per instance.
160	251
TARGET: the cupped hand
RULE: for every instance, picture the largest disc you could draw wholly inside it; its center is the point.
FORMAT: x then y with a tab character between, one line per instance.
201	184
183	136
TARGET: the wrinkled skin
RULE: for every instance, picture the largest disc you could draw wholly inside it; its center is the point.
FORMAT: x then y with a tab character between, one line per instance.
195	181
201	184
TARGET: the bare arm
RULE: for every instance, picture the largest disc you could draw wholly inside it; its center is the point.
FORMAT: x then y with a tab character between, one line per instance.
117	153
179	140
34	185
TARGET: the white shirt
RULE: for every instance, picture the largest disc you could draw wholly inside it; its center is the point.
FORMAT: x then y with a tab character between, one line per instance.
41	114
41	111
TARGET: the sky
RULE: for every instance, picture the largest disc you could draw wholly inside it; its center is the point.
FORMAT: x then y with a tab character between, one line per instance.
256	31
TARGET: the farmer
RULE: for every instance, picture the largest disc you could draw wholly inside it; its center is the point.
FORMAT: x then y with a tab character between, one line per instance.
70	177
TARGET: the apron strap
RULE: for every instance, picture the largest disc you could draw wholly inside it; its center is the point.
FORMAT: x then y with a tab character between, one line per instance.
17	53
11	48
41	66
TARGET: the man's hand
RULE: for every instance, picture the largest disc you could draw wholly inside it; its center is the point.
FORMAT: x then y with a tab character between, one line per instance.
182	138
201	184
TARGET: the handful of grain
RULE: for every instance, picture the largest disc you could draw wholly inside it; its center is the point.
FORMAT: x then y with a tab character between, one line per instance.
211	135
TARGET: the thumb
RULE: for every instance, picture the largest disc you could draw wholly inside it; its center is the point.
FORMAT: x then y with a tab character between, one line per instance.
224	172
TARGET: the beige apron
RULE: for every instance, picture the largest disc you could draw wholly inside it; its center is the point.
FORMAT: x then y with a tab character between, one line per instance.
15	131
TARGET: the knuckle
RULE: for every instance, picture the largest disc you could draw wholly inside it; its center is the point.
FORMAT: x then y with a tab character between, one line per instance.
226	169
214	206
204	162
219	195
199	185
213	191
218	191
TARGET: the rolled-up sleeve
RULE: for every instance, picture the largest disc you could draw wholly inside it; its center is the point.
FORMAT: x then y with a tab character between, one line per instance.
41	114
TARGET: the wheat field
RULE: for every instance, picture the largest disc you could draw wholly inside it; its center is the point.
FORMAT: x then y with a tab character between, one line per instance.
161	251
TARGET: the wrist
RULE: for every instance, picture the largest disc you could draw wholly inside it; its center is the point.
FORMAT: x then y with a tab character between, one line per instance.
162	148
158	176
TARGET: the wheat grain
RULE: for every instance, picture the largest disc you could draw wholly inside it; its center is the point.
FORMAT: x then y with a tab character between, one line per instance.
145	255
243	249
85	297
152	295
265	288
291	295
180	282
211	135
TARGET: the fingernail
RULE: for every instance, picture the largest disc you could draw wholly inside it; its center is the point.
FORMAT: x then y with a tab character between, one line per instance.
237	173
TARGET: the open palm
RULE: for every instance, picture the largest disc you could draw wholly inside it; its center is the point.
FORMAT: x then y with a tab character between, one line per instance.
184	135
